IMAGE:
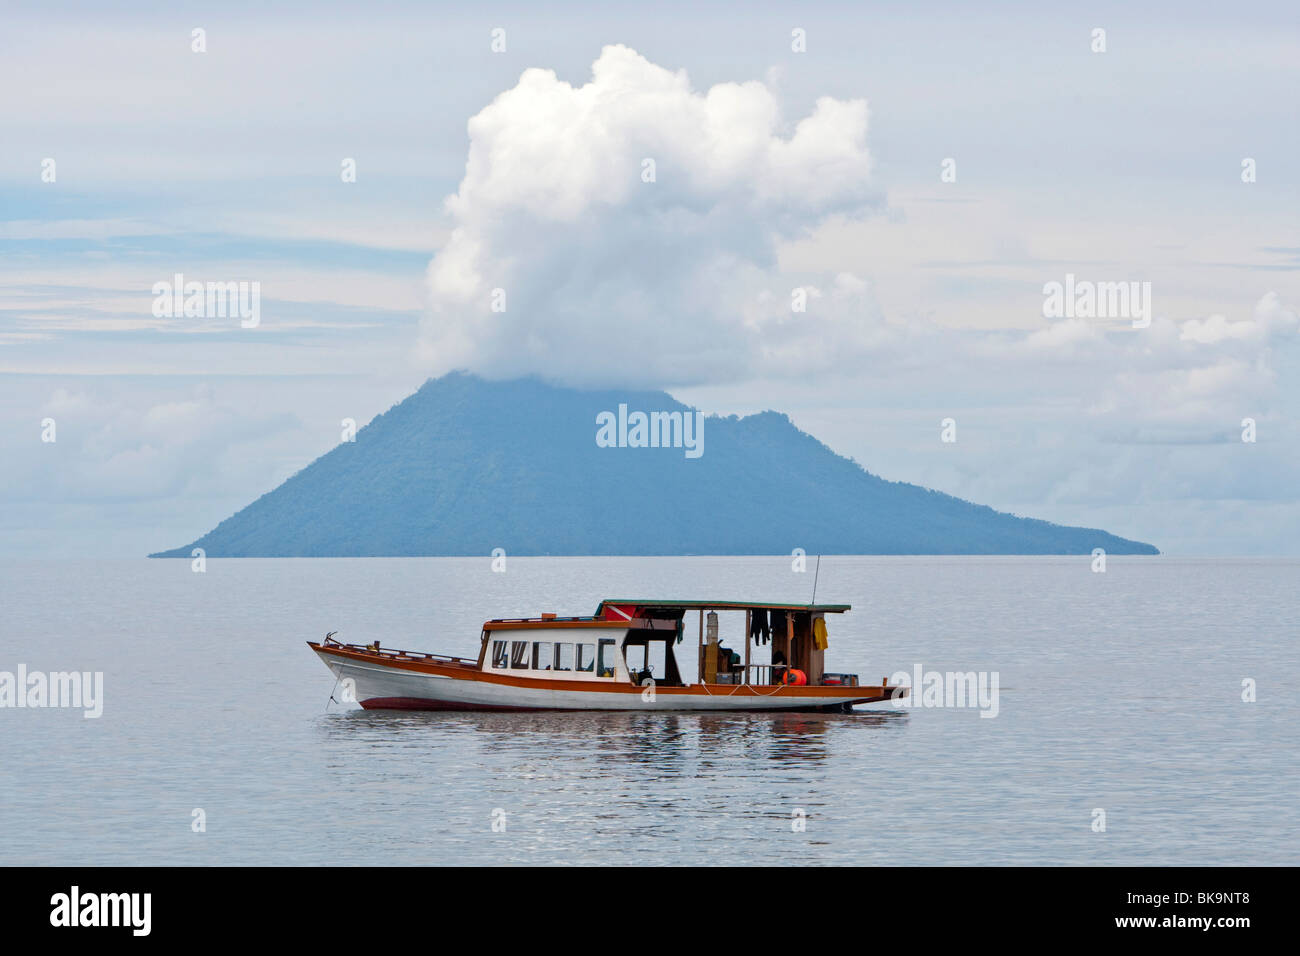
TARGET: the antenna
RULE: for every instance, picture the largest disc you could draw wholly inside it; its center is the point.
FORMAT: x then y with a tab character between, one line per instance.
816	572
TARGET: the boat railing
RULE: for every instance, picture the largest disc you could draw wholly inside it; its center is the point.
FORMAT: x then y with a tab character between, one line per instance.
761	674
395	654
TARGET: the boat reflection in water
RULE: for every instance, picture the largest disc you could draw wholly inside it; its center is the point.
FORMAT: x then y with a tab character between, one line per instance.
633	786
663	742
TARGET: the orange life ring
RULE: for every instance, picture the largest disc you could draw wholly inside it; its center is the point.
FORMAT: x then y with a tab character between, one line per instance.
794	677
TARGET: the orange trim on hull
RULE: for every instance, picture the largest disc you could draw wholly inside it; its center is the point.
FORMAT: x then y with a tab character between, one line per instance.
423	703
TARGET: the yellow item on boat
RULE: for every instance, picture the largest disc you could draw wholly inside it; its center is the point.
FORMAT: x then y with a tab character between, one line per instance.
819	634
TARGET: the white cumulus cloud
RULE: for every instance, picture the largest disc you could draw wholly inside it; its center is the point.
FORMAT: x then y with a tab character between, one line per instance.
631	225
1270	320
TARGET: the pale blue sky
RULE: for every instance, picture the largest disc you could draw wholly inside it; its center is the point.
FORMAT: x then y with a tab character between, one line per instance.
1123	165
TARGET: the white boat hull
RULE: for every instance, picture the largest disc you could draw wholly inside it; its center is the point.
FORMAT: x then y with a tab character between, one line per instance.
381	684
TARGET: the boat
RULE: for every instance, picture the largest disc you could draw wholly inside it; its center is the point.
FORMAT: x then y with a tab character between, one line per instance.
623	657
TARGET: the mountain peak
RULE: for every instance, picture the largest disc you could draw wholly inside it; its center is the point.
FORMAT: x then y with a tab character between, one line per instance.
467	464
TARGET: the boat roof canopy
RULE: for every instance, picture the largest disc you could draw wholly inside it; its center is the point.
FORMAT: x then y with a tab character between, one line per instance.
719	605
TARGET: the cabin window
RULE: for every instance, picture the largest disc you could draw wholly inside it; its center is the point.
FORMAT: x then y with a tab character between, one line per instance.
564	657
543	655
519	655
607	655
586	657
500	653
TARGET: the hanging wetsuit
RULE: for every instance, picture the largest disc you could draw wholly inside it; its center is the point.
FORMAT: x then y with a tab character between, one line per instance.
778	625
758	631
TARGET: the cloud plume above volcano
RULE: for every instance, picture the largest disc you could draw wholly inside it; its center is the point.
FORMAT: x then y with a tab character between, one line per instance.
626	229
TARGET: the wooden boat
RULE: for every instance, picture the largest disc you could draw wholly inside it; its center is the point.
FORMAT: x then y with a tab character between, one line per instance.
620	658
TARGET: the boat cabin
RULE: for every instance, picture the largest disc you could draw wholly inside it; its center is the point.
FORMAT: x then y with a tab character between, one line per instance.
638	642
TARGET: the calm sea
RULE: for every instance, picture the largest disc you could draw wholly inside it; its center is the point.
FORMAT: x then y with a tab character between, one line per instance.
1118	692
